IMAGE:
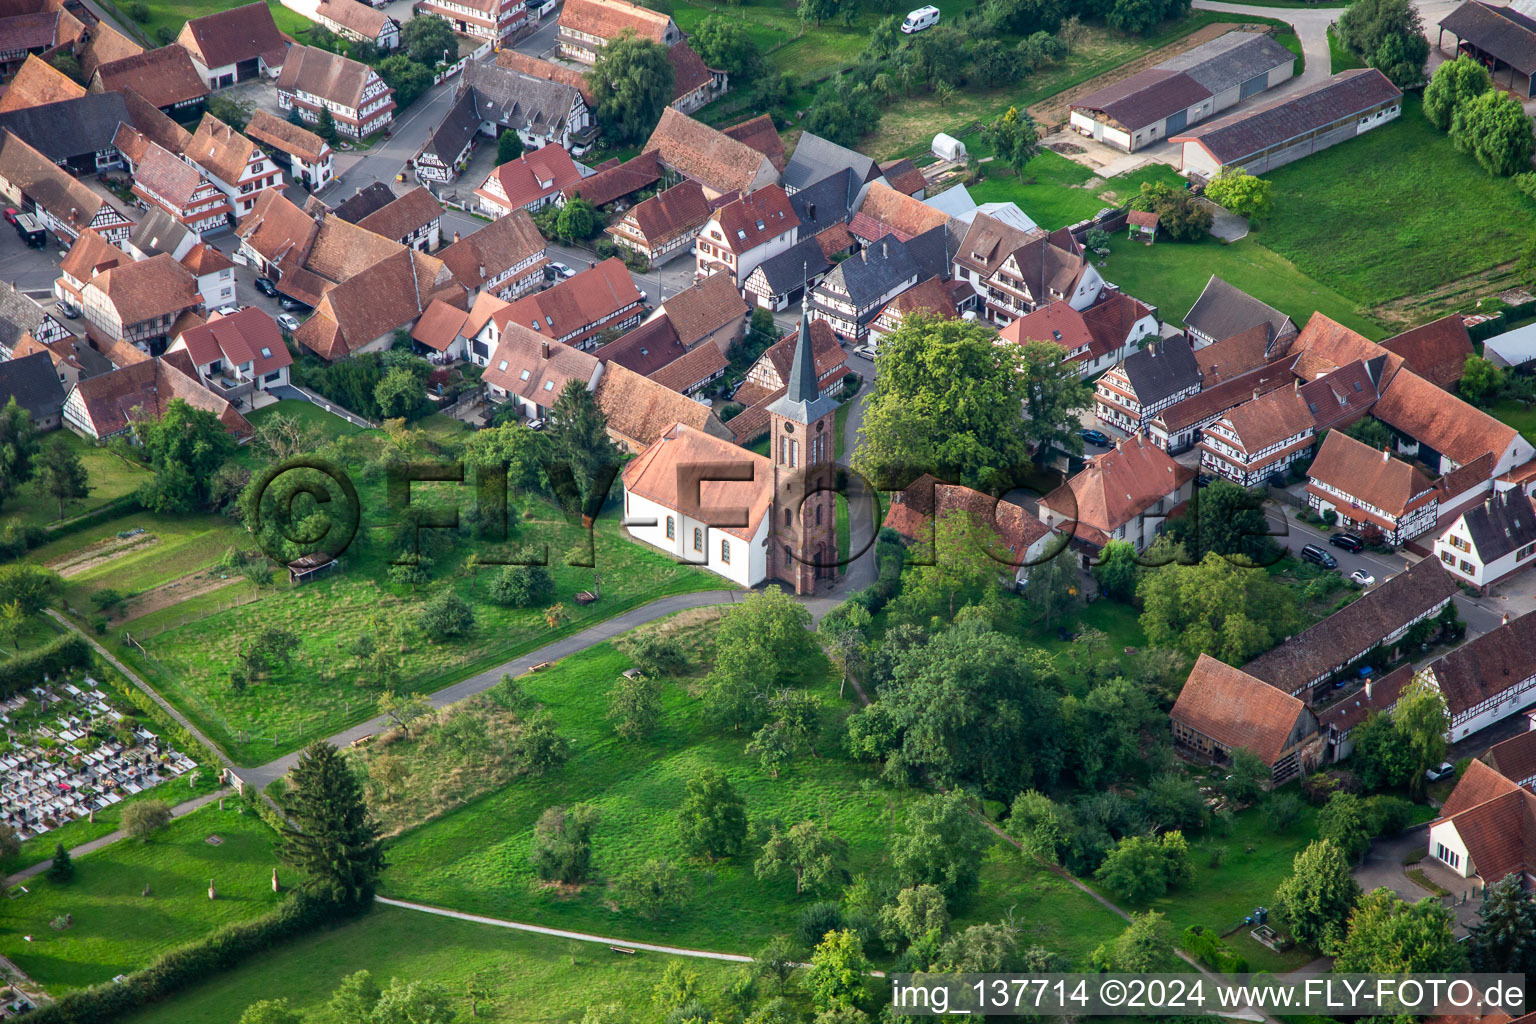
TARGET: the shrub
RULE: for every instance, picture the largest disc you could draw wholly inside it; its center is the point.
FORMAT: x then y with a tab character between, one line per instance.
28	668
138	11
815	921
106	598
523	586
143	819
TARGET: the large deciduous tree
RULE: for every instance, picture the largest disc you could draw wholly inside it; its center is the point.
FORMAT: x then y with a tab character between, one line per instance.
941	843
18	448
429	39
1387	35
1455	83
923	726
1422	719
712	820
330	835
186	447
1016	138
724	43
1495	129
1241	193
760	645
1389	936
632	81
1214	607
814	855
562	843
947	401
1315	901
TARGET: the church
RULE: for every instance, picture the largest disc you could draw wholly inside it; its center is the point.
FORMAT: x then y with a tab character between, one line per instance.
749	518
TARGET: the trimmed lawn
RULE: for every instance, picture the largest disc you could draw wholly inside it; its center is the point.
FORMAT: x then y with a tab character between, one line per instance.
115	929
109	478
195	644
1393	213
1341	57
305	412
530	977
1518	415
171	15
475	858
1056	191
1171	275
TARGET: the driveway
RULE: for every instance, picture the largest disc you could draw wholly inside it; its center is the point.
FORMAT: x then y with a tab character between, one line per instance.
1383	868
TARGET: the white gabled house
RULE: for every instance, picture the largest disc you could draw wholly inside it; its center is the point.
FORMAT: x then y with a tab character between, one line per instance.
1490	541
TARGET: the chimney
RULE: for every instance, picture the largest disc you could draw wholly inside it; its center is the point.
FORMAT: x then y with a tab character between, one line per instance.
1296	385
1255	394
1505	620
1367	687
885	249
1386	455
455	236
544	349
810	211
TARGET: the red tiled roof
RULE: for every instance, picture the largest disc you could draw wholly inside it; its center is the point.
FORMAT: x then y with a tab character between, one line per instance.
660	475
1233	356
229	37
275	133
249	336
1369	476
532	176
666	215
1117	486
547	365
691	368
648	348
1236	710
761	135
1439	419
642	411
903	176
165	76
149	387
710	157
900	213
1437	351
504	243
577	304
618	181
547	70
439	325
756	218
606	19
926	499
709	305
1514	758
38	82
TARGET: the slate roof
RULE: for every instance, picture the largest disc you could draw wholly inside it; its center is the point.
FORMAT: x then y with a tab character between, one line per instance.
1161	369
1497	30
1230	60
659	474
1436	351
872	272
826	202
1355	628
1500	524
1222	311
815	158
1236	710
165	76
34	383
526	102
369	199
455	130
229	37
1487	665
50	186
278	134
1237	137
328	75
482	255
19	315
70	128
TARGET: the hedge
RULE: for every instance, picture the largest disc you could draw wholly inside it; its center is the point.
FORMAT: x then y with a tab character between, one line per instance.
28	668
181	968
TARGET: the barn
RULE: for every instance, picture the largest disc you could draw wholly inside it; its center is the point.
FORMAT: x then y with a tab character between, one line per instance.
1164	99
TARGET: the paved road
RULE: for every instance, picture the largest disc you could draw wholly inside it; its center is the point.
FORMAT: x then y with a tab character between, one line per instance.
111	837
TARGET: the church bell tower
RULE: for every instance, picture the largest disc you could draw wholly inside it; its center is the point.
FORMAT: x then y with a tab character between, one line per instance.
802	546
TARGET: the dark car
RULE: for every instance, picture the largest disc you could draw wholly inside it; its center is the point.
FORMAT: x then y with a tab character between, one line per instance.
1097	438
1347	541
1204	480
266	287
1316	555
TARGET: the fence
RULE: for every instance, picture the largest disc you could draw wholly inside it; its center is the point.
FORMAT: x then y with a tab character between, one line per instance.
167	625
332	408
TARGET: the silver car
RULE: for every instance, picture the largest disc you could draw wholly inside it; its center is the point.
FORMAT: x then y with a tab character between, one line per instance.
288	322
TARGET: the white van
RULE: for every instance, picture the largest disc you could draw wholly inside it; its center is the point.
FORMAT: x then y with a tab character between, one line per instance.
923	17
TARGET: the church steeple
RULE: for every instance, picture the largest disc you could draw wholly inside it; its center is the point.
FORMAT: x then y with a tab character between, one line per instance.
803	402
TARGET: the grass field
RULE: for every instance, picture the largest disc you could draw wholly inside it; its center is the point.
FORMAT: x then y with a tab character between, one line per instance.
1395	212
531	977
476	858
109	477
1518	415
1340	57
115	929
1171	275
306	412
1056	191
168	16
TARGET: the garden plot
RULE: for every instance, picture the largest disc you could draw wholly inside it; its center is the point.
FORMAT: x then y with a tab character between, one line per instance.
103	551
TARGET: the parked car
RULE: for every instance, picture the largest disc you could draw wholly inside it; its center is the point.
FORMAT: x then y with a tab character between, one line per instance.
10	214
227	310
535	424
1316	555
1205	480
561	270
288	322
1347	541
1443	770
1097	438
1361	577
266	287
70	312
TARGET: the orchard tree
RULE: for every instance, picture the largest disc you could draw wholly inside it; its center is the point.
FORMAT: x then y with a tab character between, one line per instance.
30	586
1481	382
761	644
633	80
1315	901
1142	948
60	474
330	835
723	43
712	820
941	843
634	706
18	448
413	1002
1495	129
1239	192
839	973
653	890
1455	83
812	854
144	818
186	447
1016	138
1389	936
446	615
271	1011
429	39
404	709
562	843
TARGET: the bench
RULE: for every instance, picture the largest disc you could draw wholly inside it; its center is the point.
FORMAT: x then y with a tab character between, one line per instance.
621	949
